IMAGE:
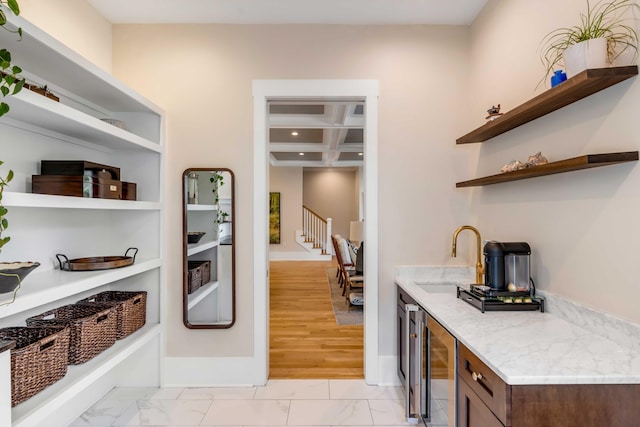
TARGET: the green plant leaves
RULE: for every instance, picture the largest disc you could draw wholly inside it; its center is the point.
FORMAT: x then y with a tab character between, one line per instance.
13	5
4	109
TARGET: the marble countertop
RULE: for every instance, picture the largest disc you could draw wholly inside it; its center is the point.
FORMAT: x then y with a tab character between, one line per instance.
522	347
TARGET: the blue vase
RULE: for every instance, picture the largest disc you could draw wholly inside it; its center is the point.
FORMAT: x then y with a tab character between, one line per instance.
558	77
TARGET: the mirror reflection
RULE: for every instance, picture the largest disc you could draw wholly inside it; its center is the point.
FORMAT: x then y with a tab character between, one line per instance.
208	248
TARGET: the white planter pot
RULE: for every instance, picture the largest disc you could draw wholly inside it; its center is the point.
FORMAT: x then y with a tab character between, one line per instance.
587	54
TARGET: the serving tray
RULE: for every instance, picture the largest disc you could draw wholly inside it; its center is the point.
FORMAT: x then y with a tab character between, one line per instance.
96	263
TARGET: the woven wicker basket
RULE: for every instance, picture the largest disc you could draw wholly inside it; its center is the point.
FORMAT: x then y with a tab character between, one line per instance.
38	360
91	329
199	274
131	309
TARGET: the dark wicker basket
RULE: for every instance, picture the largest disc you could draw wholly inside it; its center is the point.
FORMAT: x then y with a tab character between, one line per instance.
38	360
199	274
131	309
92	329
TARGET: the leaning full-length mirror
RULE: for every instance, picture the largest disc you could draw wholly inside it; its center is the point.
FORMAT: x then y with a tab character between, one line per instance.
208	248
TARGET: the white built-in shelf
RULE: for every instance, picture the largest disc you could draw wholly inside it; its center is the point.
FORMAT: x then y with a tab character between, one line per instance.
44	287
40	53
196	248
34	411
202	207
31	200
200	294
44	113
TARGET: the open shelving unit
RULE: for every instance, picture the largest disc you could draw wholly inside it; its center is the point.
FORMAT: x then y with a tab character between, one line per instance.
41	225
580	86
574	164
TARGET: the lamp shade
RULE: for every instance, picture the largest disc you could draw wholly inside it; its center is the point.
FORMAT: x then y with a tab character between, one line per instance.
356	231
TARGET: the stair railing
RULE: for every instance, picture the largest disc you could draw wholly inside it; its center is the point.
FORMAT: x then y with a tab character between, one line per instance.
316	230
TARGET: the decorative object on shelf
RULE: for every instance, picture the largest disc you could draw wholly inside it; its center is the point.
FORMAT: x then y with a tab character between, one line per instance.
513	165
494	113
195	236
558	77
605	32
117	123
42	90
39	359
96	263
131	309
274	218
192	188
80	178
199	274
13	273
92	329
10	82
536	160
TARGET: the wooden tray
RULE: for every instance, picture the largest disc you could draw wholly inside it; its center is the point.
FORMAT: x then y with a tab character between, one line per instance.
96	263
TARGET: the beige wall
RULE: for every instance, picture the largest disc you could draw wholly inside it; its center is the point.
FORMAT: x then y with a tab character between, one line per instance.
288	182
582	226
332	194
75	23
202	76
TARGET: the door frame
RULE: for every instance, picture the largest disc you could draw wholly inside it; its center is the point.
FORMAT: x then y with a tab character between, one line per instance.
263	91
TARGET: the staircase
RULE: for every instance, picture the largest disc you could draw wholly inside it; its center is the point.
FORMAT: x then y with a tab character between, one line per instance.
315	236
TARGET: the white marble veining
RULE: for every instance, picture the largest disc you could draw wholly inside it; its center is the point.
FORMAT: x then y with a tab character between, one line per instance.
529	347
296	403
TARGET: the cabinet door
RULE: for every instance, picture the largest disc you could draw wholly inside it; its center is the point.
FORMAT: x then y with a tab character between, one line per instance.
472	412
402	350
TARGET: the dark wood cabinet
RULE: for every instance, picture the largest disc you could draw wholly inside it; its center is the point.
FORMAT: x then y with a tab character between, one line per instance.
472	412
484	400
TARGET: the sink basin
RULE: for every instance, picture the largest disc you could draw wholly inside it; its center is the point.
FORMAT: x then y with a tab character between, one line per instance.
438	287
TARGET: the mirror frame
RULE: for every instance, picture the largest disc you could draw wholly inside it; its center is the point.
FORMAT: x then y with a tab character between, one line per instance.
185	285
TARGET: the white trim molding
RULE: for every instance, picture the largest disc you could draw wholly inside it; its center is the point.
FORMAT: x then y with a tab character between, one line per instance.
264	91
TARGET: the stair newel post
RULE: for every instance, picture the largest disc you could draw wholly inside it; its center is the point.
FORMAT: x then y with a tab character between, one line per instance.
327	242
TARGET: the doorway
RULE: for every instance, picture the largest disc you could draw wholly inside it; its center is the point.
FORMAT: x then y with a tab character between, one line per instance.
263	92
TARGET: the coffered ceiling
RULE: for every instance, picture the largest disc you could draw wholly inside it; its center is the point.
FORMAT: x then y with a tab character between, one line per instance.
314	133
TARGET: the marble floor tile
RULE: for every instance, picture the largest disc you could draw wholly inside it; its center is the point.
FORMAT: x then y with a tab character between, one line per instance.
388	412
247	413
294	389
218	393
136	393
104	413
165	413
329	412
358	389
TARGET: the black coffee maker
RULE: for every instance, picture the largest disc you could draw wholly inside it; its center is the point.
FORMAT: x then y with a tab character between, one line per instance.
507	266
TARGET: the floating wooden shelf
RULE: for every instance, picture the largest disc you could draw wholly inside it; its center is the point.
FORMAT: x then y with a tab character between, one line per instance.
577	87
577	163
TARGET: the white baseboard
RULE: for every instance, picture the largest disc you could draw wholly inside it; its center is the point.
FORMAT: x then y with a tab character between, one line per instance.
213	372
297	256
388	371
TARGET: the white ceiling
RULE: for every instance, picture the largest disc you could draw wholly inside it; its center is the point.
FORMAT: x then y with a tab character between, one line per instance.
451	12
332	136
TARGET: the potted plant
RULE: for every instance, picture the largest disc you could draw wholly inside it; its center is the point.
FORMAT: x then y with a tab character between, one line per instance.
604	33
10	82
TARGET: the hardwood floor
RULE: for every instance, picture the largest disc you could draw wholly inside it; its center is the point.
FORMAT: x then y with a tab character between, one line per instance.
304	339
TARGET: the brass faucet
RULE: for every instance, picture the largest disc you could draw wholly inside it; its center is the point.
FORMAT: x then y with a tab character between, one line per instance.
479	268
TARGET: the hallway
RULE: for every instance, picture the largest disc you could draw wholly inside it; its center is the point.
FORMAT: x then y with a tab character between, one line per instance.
304	340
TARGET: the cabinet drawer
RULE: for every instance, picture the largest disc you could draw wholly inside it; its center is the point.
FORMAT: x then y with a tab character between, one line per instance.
494	392
472	412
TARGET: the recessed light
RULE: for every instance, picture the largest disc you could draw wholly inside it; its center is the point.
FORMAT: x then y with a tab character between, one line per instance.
360	154
302	154
294	133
